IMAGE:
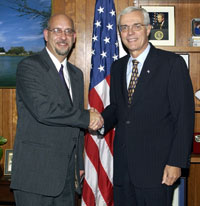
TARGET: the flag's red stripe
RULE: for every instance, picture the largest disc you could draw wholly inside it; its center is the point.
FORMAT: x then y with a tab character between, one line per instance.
105	186
109	138
95	101
88	195
108	79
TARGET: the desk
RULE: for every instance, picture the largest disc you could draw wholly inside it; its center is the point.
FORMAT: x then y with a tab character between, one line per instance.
6	195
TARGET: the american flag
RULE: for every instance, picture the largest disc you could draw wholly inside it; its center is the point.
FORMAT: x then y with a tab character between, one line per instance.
98	183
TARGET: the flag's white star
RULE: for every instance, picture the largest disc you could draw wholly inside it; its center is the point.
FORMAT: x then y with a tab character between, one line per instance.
117	44
109	26
94	38
101	10
98	23
115	57
101	68
104	54
112	12
93	52
107	40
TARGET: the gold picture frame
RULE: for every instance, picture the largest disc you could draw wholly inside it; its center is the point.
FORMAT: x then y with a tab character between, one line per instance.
8	161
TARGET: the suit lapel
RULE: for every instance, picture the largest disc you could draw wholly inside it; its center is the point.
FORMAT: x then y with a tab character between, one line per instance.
148	70
123	69
54	75
74	84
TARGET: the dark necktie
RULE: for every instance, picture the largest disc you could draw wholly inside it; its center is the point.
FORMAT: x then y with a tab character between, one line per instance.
63	80
133	81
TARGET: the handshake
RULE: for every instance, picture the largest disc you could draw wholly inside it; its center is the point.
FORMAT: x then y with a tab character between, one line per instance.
96	120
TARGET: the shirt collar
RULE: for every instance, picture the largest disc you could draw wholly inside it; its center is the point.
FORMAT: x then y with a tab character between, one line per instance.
56	62
141	58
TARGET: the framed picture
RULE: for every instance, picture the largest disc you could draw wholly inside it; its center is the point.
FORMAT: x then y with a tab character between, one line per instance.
163	25
22	23
8	161
196	27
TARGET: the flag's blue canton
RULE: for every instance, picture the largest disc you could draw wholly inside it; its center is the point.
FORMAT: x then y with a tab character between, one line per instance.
104	41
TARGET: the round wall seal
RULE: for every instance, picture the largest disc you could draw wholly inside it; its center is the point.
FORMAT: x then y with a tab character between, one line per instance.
159	35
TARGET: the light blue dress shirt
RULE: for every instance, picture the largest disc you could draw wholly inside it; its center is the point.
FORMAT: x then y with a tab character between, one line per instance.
141	58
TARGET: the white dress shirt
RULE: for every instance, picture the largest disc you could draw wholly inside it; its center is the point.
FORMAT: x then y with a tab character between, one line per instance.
65	70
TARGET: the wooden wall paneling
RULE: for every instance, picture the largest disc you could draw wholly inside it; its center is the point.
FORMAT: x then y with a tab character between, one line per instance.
193	185
70	10
120	5
81	52
195	76
80	17
14	116
89	18
184	14
182	27
58	6
7	119
197	122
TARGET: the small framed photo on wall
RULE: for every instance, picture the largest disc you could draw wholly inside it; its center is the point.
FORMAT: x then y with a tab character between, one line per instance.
196	27
163	25
8	161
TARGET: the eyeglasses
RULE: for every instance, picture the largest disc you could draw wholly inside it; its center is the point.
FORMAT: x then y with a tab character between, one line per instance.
134	27
59	31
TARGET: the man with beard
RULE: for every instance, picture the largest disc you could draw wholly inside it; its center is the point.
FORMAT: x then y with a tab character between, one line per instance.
48	149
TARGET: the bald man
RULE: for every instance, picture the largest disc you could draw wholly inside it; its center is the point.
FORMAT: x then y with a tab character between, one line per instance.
51	118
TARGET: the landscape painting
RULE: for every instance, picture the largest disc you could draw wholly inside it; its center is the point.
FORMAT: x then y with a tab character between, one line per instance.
22	23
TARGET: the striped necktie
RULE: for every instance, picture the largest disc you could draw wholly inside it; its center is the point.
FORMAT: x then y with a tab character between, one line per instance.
133	81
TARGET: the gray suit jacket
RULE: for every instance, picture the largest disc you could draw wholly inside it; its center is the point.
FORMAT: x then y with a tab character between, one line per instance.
49	127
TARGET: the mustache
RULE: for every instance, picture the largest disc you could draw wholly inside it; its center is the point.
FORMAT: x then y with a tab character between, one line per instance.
61	42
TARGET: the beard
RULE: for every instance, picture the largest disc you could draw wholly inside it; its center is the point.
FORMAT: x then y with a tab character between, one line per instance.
62	52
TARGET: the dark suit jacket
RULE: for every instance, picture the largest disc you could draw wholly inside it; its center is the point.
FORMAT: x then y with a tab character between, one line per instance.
157	128
164	25
48	127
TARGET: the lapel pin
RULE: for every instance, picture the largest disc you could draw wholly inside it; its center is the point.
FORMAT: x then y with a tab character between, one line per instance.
148	71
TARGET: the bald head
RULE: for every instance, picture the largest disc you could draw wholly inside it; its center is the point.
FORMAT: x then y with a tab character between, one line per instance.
60	35
56	17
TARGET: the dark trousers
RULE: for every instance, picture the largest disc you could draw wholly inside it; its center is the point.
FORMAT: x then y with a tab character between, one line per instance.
66	198
127	194
134	196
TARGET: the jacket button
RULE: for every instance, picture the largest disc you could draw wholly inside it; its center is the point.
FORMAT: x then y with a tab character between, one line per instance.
128	122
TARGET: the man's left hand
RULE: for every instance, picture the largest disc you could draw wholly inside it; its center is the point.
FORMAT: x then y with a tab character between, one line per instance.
170	175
